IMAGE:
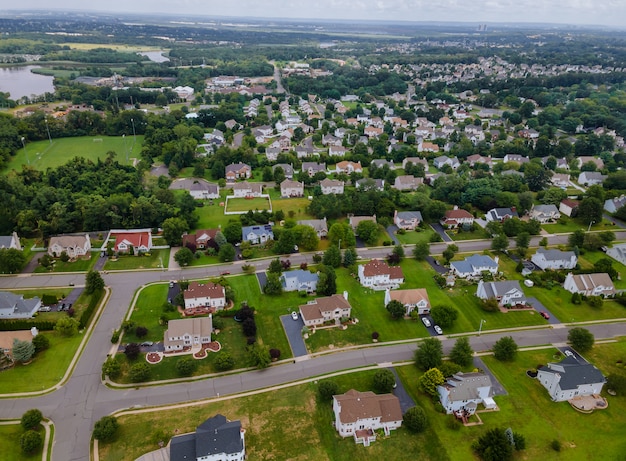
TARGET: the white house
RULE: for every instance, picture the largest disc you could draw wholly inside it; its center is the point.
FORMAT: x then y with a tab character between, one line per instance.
75	246
568	207
474	266
599	284
10	241
185	334
614	204
500	214
359	414
439	162
257	234
326	309
407	182
570	378
618	252
590	178
198	188
465	391
378	275
299	280
407	220
554	259
289	188
544	213
356	220
506	293
205	295
560	180
416	298
319	225
457	217
331	186
216	439
135	240
14	306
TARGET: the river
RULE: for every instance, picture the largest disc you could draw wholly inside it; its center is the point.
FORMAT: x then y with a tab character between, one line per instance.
19	81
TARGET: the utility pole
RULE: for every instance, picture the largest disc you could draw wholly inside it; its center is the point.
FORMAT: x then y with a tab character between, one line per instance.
48	129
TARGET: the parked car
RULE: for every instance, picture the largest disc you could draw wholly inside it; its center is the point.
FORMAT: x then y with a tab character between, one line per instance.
147	343
426	322
569	353
294	315
545	315
171	284
225	273
438	329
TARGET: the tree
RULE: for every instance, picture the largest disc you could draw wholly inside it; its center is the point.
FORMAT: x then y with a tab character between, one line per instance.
306	238
327	281
421	251
396	309
368	232
139	372
590	210
259	355
227	253
132	351
11	260
349	257
581	339
462	352
173	230
415	419
186	366
22	351
500	242
522	241
248	327
449	253
326	389
106	428
428	354
184	256
537	177
332	257
232	232
444	315
505	349
220	239
275	267
111	368
30	442
41	343
224	361
429	381
31	419
93	282
273	286
67	326
384	381
494	445
576	239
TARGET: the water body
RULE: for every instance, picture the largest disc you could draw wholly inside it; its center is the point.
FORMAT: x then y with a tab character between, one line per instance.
20	81
155	56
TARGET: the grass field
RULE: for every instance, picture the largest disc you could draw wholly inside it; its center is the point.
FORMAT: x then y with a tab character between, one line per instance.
42	155
80	265
412	237
127	262
9	441
244	204
566	224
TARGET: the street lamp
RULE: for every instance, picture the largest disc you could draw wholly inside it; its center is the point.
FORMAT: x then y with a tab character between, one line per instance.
48	129
480	328
26	153
590	224
132	121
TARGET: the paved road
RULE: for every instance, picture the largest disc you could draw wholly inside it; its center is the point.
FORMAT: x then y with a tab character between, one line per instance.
84	399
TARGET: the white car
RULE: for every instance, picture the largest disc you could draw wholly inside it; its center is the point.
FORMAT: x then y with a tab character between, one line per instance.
438	329
426	322
294	315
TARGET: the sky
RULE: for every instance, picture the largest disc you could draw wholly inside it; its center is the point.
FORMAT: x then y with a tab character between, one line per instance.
592	12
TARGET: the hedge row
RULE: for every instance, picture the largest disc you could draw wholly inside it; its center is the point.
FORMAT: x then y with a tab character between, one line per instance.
26	324
85	317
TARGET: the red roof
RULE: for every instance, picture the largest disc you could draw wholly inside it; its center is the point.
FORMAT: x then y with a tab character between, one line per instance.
458	214
136	239
379	267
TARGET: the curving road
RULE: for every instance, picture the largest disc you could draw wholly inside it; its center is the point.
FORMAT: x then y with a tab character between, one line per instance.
76	406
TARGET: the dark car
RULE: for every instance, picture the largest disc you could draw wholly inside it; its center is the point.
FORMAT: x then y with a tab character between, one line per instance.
225	273
545	315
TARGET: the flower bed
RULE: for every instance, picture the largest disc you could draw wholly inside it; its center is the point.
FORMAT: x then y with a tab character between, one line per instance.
153	357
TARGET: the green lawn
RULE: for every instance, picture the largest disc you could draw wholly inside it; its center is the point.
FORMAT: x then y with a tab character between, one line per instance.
589	258
478	234
143	261
244	204
80	265
412	237
43	155
9	441
566	224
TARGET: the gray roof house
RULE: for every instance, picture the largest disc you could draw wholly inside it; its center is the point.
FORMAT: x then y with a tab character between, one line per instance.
474	266
319	225
544	213
287	169
500	214
10	241
14	306
569	378
554	259
198	188
299	280
370	184
613	204
506	293
465	391
215	439
599	284
407	220
589	178
257	234
618	253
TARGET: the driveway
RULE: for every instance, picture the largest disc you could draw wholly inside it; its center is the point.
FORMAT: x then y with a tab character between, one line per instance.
33	263
440	230
391	230
431	328
405	399
540	307
293	329
615	221
435	265
495	384
262	278
99	265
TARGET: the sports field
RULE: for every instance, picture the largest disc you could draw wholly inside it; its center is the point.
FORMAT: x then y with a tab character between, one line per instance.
43	154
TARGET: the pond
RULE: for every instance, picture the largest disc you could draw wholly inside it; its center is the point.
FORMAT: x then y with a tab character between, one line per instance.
155	56
19	81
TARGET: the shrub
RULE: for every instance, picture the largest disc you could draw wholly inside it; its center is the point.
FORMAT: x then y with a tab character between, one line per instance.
375	335
224	361
141	332
454	424
448	368
275	354
31	419
132	351
555	445
520	441
415	419
186	366
139	372
115	337
384	381
111	368
505	349
106	428
48	299
41	343
326	389
30	441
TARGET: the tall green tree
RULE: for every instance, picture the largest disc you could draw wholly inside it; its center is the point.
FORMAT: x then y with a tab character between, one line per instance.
173	230
430	380
429	354
396	309
93	282
22	351
505	349
421	251
581	339
494	445
462	352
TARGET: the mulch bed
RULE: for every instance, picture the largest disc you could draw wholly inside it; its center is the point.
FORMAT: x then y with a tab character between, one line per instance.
153	357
